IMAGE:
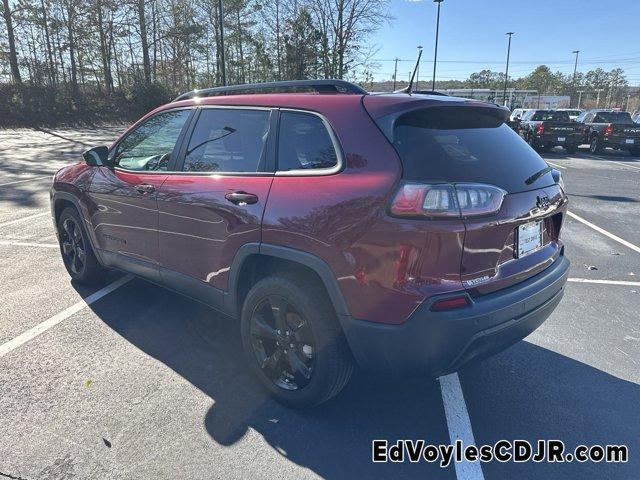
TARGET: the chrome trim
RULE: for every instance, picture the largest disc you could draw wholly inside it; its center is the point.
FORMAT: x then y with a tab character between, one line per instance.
336	146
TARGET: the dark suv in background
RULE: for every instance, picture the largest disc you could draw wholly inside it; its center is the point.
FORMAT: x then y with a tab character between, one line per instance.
413	233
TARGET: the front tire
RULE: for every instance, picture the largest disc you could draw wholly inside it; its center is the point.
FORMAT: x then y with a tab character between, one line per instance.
75	248
293	341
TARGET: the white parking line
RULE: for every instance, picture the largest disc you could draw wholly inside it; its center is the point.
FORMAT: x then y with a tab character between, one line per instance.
59	317
28	244
11	222
556	165
23	181
459	424
604	232
604	282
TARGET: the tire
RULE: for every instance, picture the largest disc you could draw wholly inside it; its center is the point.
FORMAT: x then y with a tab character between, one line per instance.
532	142
571	149
75	248
595	146
634	152
319	343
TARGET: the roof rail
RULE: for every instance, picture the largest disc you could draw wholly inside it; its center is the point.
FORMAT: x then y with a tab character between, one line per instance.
288	86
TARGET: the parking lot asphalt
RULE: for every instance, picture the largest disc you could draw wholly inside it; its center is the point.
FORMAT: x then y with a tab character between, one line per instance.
143	383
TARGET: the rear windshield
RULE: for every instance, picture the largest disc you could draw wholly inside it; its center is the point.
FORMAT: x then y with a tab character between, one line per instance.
613	117
551	116
462	144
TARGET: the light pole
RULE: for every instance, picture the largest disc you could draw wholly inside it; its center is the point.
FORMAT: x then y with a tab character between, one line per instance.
435	53
580	92
598	97
575	68
626	108
418	69
506	72
395	74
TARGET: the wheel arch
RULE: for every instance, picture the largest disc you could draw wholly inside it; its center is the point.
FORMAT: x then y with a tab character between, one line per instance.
254	261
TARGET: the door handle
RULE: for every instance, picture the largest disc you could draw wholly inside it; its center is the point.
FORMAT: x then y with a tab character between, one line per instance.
241	198
145	188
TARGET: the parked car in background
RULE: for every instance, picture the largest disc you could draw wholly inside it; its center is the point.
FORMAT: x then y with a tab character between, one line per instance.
572	112
608	128
399	232
518	113
543	129
636	117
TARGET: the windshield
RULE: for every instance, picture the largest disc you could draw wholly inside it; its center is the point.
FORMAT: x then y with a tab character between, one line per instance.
462	144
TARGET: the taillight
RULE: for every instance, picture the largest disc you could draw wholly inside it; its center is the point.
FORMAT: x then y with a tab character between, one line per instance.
450	303
608	130
540	129
444	200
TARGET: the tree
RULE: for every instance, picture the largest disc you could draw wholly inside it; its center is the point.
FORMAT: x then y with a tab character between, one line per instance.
13	55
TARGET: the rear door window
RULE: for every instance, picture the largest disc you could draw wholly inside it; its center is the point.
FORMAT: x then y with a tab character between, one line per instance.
463	144
304	143
228	140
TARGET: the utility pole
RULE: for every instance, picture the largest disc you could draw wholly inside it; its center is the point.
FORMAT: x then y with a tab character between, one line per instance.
580	92
598	97
395	74
626	108
418	70
575	68
506	72
222	62
435	53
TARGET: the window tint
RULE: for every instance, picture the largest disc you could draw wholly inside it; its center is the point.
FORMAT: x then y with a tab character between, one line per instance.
462	144
150	145
551	116
228	140
304	143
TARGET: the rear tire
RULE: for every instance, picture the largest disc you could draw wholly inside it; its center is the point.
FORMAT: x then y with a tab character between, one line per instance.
75	248
315	362
635	152
595	145
571	149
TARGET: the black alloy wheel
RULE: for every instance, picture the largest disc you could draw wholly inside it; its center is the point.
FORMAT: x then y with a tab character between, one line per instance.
74	252
282	343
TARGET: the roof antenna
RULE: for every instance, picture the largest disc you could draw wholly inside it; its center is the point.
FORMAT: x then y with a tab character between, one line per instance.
409	87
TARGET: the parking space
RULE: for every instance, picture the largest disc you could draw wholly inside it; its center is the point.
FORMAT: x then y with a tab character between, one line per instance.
143	383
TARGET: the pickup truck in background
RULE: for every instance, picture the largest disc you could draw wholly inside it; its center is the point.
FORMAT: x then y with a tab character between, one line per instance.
543	129
608	128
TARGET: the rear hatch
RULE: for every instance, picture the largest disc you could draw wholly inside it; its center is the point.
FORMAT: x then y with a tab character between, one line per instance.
483	172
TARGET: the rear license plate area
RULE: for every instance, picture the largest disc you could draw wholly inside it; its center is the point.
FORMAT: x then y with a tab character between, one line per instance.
528	238
561	139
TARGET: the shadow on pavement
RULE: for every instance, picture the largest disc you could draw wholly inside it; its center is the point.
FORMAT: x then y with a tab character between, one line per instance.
532	393
333	440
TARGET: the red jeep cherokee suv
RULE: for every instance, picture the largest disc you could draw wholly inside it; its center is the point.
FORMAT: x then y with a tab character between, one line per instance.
404	232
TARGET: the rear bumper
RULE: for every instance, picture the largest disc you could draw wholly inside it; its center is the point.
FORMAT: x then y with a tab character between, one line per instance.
437	343
620	142
552	139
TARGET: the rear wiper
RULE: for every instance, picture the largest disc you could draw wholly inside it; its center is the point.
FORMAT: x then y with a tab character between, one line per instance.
537	175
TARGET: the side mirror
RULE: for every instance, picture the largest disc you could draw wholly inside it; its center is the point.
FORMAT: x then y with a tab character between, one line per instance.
96	157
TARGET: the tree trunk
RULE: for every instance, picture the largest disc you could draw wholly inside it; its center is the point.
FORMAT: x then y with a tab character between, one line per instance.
13	56
146	63
104	51
52	63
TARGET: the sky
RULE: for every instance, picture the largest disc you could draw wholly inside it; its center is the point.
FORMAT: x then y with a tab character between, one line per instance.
473	37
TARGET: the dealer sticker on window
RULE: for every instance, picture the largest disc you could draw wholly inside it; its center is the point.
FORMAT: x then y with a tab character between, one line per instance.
529	238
